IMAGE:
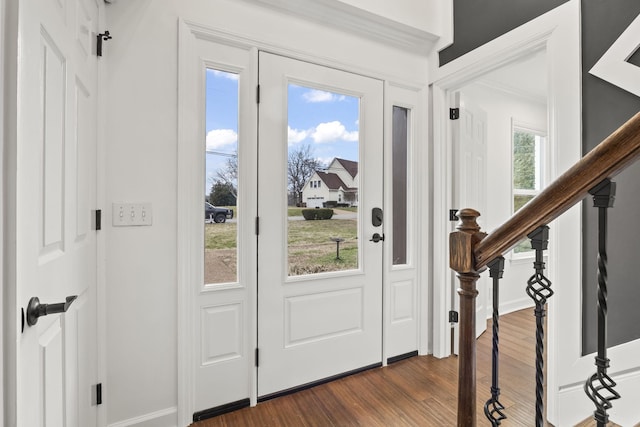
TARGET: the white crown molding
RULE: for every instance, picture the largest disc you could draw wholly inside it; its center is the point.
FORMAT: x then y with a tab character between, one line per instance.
614	67
357	21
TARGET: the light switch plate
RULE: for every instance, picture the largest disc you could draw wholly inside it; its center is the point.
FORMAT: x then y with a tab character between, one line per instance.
131	214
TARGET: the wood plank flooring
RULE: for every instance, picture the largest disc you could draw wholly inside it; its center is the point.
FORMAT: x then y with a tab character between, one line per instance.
420	391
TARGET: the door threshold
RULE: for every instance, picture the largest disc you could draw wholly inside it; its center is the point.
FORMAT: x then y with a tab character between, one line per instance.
400	357
315	383
219	410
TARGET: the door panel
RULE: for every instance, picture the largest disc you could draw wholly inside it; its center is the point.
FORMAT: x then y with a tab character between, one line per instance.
56	188
317	324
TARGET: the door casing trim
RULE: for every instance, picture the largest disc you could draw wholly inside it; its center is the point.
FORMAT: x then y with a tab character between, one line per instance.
557	31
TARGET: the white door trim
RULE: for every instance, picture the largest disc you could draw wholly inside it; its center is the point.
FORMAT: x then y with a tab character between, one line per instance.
559	32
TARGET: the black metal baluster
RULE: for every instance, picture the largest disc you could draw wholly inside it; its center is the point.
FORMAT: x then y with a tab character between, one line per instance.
599	387
493	408
539	289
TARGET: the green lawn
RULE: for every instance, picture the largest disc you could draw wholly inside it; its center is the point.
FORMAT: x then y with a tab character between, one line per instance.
311	249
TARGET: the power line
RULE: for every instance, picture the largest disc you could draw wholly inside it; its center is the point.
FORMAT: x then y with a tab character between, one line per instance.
222	153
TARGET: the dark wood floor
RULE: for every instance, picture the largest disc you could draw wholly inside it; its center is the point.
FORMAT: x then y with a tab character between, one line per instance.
420	391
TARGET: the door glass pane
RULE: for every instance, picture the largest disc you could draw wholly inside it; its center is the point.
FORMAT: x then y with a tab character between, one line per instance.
399	143
221	178
322	171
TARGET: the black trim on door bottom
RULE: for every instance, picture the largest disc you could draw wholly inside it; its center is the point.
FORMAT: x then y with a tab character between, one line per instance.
219	410
401	357
315	383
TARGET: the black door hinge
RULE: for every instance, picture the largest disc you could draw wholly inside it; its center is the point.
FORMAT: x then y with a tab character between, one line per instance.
454	113
258	94
257	357
453	316
98	219
99	394
453	215
102	37
257	226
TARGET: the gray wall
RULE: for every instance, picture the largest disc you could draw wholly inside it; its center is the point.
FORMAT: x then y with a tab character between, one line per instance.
605	107
476	22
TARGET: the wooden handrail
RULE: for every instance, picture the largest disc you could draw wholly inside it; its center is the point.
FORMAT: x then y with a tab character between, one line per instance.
610	157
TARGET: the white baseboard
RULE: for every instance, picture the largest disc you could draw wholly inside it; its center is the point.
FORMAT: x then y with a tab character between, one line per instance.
574	405
163	418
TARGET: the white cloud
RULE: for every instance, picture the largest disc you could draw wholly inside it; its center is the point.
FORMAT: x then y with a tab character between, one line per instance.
294	135
225	74
333	131
324	161
220	137
315	95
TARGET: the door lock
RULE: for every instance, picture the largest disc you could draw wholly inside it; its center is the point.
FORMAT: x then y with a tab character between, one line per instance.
36	310
376	217
376	238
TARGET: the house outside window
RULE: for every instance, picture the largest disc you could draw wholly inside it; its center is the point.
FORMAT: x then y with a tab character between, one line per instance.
528	145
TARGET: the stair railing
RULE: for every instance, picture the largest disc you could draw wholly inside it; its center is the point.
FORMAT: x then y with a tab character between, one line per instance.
472	250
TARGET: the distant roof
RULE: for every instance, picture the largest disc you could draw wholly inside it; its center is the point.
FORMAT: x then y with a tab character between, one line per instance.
349	165
331	180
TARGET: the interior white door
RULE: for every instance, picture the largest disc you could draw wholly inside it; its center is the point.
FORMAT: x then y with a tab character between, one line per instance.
470	142
56	197
313	326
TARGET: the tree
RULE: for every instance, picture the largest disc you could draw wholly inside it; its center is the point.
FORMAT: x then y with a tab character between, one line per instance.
301	166
229	174
524	161
222	194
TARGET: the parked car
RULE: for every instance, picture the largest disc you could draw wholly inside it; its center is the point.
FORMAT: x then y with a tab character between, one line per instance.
216	214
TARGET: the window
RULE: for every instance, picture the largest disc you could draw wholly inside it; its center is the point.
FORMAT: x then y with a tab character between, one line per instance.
400	183
527	171
323	136
221	177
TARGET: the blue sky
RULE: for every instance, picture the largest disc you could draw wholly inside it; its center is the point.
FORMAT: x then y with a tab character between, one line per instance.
326	121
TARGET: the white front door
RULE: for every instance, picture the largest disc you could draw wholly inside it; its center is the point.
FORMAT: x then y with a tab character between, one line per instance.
56	197
319	298
470	142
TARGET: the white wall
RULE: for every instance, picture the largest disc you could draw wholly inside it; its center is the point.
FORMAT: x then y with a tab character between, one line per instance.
501	108
141	166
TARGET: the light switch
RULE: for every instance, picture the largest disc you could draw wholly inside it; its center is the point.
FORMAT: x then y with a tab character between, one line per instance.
131	214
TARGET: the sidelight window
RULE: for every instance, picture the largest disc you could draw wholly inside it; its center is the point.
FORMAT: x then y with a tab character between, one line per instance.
221	177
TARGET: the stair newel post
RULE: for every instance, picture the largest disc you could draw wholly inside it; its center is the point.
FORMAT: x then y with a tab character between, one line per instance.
493	409
599	387
461	259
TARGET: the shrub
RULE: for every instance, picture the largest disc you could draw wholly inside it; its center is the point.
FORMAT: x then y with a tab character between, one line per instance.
318	213
330	204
